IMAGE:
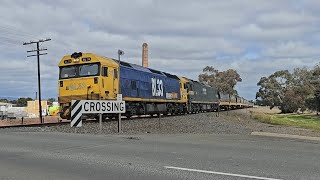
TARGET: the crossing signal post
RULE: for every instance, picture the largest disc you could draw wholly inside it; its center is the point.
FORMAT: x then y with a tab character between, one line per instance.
119	96
38	50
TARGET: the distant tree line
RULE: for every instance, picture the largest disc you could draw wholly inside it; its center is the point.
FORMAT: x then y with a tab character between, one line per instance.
291	91
22	101
224	81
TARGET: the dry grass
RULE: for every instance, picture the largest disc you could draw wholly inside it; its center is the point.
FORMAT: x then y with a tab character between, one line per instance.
310	121
265	110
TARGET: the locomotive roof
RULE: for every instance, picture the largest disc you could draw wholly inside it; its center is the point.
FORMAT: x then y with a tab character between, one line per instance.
144	69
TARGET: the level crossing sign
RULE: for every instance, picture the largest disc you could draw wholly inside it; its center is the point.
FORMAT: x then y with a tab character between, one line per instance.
79	107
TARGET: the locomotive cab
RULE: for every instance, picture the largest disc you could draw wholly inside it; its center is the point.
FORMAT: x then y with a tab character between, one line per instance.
86	76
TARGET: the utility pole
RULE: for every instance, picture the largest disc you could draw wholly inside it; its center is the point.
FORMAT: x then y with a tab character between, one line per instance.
38	61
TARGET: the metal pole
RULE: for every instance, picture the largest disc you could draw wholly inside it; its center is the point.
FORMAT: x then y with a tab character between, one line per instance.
119	87
119	90
218	111
39	85
159	120
100	122
100	119
119	123
228	110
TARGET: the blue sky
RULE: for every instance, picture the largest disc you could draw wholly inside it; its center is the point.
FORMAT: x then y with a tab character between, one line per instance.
256	38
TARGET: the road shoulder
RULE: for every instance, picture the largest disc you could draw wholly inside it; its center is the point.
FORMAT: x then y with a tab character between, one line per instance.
268	134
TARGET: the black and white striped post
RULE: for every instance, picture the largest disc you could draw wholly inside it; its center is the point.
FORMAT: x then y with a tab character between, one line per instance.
76	113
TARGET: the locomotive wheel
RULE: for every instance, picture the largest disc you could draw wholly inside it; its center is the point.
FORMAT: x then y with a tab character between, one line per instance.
97	117
128	116
112	116
65	114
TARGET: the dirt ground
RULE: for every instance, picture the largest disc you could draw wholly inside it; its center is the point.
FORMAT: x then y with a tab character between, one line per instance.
231	122
47	119
265	109
54	119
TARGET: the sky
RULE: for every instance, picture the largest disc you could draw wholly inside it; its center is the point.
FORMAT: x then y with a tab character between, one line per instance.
254	37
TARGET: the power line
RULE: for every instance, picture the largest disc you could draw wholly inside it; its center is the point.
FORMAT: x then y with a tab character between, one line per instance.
14	30
38	50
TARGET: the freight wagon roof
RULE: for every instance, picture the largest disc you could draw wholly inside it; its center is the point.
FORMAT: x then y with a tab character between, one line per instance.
204	84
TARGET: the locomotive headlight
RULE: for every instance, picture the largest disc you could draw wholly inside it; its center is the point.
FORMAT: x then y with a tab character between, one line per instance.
76	60
61	83
86	59
67	61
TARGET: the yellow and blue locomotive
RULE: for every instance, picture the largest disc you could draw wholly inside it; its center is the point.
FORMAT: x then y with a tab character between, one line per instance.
87	76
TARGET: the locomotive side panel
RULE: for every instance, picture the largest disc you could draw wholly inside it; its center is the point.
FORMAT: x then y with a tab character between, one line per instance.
148	86
201	97
203	93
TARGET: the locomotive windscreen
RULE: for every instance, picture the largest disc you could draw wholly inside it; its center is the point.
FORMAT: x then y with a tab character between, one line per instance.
88	70
68	72
83	70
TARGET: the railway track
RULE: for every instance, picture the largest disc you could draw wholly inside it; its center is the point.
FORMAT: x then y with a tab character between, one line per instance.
96	121
34	125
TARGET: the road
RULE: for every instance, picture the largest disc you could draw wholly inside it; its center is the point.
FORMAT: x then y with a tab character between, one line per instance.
41	155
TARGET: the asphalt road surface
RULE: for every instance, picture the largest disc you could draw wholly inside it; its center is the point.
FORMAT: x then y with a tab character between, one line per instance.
41	155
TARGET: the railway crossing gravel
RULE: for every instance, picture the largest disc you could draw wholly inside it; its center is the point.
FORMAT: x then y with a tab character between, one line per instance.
232	122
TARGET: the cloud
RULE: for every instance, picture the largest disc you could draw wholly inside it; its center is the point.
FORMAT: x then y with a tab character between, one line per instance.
254	37
260	34
287	18
292	49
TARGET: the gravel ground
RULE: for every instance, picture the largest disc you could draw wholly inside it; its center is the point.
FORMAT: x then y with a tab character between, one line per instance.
232	122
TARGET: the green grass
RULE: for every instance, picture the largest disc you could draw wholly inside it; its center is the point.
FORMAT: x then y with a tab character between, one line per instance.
309	121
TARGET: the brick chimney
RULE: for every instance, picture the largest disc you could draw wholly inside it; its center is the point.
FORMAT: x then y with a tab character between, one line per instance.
145	55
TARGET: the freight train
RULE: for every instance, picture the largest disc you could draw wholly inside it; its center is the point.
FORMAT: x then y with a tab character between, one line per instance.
87	76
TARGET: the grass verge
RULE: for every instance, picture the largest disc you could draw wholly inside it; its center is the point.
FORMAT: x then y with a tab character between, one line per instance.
310	121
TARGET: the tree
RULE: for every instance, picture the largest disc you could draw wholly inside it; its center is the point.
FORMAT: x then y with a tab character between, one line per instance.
22	102
313	100
288	91
224	81
50	101
303	86
315	80
4	100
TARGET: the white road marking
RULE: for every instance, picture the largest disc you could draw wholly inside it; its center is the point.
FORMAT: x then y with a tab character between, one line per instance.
219	173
